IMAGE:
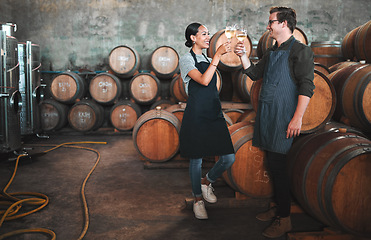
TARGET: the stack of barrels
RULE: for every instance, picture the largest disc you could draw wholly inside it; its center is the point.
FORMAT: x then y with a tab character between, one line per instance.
248	174
68	102
335	143
120	95
321	163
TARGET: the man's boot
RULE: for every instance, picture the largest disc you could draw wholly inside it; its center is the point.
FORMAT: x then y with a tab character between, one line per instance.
267	215
278	228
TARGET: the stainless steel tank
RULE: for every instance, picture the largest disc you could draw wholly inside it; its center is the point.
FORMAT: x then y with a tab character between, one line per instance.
10	97
29	86
9	28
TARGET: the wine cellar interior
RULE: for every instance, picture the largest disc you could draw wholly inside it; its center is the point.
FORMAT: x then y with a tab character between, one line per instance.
92	102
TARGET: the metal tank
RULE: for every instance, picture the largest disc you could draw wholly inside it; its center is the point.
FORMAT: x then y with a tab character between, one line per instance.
9	28
10	97
29	86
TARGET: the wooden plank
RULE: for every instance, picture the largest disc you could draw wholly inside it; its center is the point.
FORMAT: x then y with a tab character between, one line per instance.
177	162
230	203
240	196
227	105
295	208
324	235
236	105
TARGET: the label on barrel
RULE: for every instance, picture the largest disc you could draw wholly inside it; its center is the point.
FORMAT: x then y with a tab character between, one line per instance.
144	87
83	116
63	86
123	60
164	61
261	175
104	86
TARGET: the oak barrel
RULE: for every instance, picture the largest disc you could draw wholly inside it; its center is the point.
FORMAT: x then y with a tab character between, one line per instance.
177	110
353	88
327	53
254	52
164	62
177	87
356	99
105	88
163	103
124	61
53	115
337	79
333	126
321	106
124	114
177	90
266	41
229	61
321	68
68	87
233	113
341	65
254	93
228	120
248	116
330	179
347	45
362	46
242	83
144	88
248	174
86	115
156	135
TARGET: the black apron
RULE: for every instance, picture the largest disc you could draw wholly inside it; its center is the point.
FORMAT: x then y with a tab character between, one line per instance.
277	104
204	131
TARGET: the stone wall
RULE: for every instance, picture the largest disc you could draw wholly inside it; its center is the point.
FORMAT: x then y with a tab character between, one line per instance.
80	34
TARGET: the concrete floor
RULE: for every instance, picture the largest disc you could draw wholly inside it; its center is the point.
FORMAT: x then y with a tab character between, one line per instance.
126	200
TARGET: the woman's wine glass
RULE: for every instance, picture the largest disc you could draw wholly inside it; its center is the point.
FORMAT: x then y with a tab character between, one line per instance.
230	31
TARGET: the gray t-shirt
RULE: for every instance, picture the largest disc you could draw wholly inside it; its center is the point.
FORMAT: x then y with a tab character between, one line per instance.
186	64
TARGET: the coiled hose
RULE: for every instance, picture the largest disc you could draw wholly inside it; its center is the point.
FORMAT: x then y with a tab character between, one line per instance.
39	199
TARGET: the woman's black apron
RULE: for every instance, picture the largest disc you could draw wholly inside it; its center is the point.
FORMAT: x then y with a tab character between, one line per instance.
204	131
277	104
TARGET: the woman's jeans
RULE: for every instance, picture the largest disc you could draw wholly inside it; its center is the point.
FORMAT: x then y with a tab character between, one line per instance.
195	171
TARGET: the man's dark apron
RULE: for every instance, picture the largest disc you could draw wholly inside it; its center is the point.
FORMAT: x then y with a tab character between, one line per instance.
204	131
277	104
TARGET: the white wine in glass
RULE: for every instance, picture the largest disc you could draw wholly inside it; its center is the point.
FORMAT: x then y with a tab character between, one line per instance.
230	32
241	35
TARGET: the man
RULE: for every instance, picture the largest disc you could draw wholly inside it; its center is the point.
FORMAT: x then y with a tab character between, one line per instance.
287	70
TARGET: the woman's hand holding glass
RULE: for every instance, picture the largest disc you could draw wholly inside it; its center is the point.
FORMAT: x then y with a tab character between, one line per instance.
224	48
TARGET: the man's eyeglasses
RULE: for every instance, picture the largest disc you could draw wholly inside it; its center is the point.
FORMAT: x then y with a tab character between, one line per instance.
272	21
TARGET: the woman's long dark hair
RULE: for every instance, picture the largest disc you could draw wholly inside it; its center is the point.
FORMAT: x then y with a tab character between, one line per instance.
192	29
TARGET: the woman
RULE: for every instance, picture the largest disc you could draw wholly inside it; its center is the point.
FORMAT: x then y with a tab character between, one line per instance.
204	131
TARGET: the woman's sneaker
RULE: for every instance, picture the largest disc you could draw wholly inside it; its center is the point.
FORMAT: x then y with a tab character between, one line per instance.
200	210
208	193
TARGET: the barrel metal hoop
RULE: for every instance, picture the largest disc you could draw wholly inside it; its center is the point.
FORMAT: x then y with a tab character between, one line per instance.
357	102
241	141
322	175
311	159
331	179
347	80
